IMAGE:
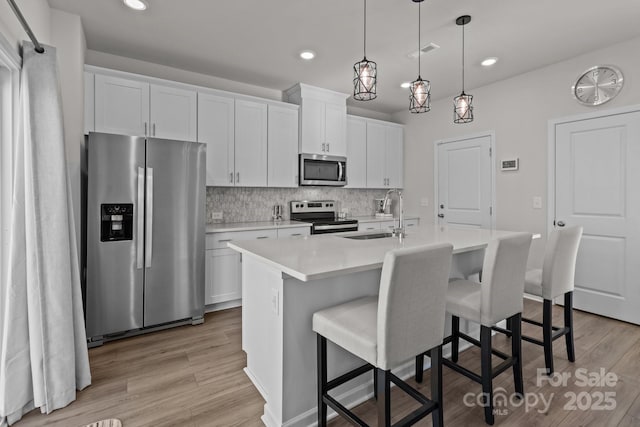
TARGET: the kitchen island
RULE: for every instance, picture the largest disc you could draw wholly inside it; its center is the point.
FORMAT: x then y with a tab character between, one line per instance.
285	282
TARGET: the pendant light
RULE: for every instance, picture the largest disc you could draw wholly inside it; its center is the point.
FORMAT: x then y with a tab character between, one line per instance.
420	99
462	104
365	72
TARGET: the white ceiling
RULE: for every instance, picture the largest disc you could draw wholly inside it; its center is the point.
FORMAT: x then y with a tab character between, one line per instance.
258	41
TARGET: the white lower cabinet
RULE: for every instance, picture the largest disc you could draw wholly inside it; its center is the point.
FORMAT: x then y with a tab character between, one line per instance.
368	226
387	225
223	266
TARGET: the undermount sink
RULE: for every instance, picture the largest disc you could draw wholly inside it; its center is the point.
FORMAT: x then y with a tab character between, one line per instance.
369	236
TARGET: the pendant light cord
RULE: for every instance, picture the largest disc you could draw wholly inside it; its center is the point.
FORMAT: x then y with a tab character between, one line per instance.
463	25
365	28
419	52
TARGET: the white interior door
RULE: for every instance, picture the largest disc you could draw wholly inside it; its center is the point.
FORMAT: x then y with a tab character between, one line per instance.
465	182
596	186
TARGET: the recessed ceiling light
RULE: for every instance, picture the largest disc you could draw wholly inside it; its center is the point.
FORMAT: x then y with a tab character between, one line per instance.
307	54
136	4
405	85
489	62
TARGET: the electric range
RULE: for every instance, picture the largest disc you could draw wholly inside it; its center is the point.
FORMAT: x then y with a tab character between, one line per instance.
323	214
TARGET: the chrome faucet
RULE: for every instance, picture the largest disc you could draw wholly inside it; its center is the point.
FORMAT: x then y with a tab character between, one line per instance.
399	231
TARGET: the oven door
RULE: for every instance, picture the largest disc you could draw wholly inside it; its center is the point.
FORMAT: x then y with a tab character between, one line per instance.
333	228
318	169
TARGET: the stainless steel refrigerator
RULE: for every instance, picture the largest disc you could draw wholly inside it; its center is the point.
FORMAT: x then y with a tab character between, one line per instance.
145	234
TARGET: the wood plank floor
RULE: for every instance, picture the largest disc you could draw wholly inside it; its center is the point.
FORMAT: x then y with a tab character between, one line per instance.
192	376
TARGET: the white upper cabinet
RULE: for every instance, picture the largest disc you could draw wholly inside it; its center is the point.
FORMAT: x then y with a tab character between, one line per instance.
323	117
395	156
132	107
89	103
356	152
173	113
385	154
216	127
121	106
282	137
251	144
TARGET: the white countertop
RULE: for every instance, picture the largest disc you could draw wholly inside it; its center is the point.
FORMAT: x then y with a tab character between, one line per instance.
326	255
224	227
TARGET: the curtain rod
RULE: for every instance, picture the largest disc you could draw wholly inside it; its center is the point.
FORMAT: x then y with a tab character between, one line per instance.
27	29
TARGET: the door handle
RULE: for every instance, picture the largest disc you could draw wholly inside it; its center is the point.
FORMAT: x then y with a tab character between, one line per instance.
149	209
560	223
140	220
440	215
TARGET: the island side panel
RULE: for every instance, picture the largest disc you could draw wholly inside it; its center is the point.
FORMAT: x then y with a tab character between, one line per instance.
262	333
300	301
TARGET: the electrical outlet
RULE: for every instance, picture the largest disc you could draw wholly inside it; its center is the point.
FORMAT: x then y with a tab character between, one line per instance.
537	202
424	201
275	301
216	216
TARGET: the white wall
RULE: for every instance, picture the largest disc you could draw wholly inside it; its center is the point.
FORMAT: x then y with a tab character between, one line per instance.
68	37
518	110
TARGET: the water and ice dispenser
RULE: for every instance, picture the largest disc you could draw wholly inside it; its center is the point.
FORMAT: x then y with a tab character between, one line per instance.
116	222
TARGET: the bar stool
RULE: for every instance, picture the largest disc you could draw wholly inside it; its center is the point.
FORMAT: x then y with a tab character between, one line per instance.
497	297
389	329
556	278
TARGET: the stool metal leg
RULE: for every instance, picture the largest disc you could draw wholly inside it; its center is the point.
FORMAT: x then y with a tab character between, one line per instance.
509	327
436	385
455	338
487	375
547	332
322	379
420	368
516	352
568	323
384	398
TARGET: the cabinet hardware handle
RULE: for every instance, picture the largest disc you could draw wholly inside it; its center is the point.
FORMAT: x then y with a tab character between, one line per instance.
224	240
154	129
328	147
296	234
145	128
323	145
262	237
230	177
237	177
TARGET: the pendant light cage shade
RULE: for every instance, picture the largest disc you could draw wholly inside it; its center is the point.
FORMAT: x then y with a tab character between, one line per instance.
365	80
420	98
463	108
463	103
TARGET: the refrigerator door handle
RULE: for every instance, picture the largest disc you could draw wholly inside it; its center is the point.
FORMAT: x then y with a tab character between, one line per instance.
140	220
148	244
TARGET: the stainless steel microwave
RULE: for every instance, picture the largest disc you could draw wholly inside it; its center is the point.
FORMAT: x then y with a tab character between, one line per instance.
318	169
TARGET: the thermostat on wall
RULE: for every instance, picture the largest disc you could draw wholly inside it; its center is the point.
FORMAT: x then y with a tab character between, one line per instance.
510	165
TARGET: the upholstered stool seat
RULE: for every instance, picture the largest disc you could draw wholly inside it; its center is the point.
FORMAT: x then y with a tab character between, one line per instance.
406	319
464	298
533	282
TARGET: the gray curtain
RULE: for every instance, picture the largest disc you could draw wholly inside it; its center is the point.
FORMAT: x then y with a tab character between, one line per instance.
43	352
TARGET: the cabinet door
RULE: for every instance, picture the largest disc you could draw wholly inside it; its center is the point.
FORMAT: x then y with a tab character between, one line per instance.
388	226
251	144
89	103
356	153
395	156
335	129
369	226
216	129
173	113
284	233
312	137
282	141
223	276
121	106
376	152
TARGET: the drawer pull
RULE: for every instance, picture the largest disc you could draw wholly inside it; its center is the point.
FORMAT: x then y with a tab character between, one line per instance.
224	240
296	234
262	237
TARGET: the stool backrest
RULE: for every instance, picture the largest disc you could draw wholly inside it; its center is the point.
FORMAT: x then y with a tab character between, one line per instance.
559	268
412	302
503	270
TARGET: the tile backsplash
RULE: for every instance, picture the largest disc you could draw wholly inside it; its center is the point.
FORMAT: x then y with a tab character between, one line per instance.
255	204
